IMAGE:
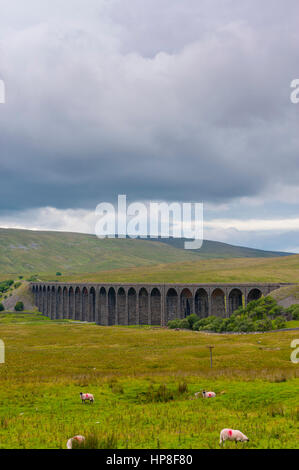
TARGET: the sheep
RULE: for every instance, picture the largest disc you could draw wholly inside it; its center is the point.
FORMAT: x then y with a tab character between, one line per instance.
208	394
79	439
232	435
87	396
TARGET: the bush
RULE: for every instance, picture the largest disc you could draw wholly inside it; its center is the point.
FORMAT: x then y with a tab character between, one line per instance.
193	318
205	323
184	324
58	274
213	323
5	285
263	314
1	307
173	324
244	325
196	326
262	308
276	311
296	315
279	323
263	325
19	307
293	312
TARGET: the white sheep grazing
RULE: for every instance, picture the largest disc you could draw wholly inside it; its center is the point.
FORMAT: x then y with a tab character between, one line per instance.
232	435
208	394
87	396
79	439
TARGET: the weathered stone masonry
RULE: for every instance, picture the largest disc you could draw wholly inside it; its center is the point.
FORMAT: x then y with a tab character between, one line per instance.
142	304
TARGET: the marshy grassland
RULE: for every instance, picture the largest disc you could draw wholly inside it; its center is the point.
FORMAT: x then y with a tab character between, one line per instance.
143	380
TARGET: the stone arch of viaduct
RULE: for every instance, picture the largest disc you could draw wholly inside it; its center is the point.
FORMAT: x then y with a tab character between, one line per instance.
142	304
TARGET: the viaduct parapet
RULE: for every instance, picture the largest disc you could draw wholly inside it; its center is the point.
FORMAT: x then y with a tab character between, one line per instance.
142	304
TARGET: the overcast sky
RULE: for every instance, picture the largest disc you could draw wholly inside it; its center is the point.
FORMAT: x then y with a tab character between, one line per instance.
157	99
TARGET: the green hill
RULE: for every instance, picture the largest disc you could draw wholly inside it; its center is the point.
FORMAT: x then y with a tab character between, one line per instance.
283	270
211	249
25	251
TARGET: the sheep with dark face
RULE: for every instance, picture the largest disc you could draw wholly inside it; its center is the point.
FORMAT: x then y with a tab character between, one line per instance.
232	435
208	394
87	396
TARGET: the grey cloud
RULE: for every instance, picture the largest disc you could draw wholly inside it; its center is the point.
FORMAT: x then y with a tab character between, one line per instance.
263	240
158	100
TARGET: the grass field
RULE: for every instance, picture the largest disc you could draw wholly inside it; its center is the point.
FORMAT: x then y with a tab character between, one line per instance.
49	363
284	269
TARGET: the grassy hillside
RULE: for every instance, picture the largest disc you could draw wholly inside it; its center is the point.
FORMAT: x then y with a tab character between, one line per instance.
285	269
211	249
287	295
21	293
24	251
144	380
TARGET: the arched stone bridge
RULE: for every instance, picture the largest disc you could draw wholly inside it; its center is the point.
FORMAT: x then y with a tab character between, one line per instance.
142	304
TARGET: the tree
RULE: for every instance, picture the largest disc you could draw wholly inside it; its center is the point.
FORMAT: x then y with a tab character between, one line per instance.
19	307
1	307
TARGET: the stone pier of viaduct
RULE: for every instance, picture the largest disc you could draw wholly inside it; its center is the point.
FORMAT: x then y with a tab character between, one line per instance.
142	304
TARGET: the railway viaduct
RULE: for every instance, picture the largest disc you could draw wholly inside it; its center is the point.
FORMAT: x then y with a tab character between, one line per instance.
142	304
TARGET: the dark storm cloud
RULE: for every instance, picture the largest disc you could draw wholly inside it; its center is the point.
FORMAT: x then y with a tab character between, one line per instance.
158	100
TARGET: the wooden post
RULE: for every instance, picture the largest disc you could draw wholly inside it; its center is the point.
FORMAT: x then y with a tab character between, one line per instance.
211	355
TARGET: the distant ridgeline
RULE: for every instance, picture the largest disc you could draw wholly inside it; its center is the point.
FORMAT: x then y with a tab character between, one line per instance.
212	249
